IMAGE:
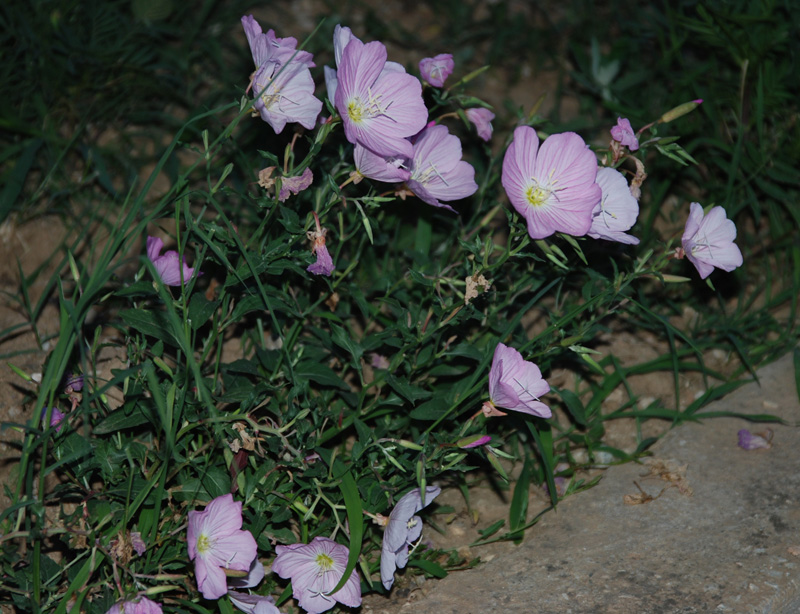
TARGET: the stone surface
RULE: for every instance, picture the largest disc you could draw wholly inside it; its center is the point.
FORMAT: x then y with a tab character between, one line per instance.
733	545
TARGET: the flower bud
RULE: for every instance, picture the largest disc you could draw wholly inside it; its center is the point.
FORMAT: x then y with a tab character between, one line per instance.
680	111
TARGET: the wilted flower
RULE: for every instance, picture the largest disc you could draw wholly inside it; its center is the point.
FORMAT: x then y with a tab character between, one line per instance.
515	384
617	210
56	416
282	82
324	264
377	361
708	241
435	70
402	529
138	543
315	569
553	188
379	109
170	267
295	185
140	606
437	170
755	441
73	383
473	441
217	542
482	118
623	133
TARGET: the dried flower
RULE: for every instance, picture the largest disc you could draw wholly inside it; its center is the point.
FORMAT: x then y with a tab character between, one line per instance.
553	188
755	441
169	266
402	528
623	133
315	569
435	70
324	264
515	384
708	241
217	542
295	185
473	441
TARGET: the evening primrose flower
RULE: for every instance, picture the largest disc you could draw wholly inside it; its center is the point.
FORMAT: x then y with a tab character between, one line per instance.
217	542
379	168
402	529
56	417
515	384
169	266
295	185
315	569
435	70
708	241
482	118
140	606
554	187
437	170
617	210
379	109
282	82
623	133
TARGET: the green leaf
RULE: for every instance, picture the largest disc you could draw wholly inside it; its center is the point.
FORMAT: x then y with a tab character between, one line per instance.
429	567
200	310
355	519
317	372
518	511
122	419
407	390
544	442
216	481
152	323
574	405
796	355
431	410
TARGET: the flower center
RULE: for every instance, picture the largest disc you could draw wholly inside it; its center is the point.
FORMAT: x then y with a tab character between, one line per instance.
324	562
538	194
203	543
359	110
424	176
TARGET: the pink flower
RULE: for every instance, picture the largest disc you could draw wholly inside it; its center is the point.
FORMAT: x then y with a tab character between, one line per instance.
56	417
170	267
379	109
755	441
482	118
315	569
217	542
435	70
623	134
708	241
437	170
253	604
379	168
282	83
342	35
515	384
324	264
140	606
403	528
295	185
553	188
617	210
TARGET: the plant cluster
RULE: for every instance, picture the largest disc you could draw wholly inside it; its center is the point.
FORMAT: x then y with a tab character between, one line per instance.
368	341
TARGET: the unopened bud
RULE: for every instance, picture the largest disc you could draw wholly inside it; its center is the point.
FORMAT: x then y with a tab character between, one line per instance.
680	111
